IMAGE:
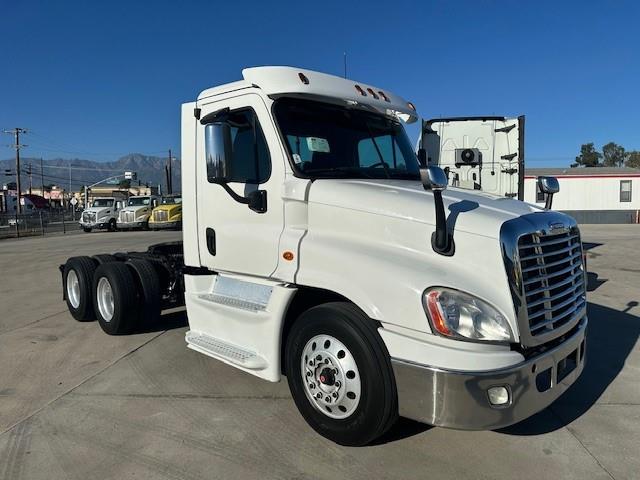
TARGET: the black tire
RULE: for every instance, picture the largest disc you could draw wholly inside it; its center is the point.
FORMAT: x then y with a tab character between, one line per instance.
84	268
112	225
377	409
86	229
104	258
148	287
125	302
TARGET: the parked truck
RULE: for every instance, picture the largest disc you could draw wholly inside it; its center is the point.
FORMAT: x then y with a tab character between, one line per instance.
102	214
137	212
317	245
168	214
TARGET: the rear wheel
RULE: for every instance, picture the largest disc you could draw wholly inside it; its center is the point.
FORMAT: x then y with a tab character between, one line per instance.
115	298
340	375
77	278
149	298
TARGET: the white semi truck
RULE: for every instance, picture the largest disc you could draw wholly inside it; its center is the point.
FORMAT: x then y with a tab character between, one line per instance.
102	214
319	246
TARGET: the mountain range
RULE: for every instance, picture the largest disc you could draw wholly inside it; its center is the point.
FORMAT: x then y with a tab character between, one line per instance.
149	169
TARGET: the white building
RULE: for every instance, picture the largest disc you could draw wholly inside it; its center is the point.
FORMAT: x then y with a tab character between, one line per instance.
591	195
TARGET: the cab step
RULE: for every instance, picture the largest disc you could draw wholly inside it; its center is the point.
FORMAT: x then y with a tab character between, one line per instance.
217	348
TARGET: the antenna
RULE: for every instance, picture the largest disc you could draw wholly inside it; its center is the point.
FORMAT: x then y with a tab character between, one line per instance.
344	55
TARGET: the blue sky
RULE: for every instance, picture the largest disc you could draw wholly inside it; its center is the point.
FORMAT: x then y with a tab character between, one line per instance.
99	79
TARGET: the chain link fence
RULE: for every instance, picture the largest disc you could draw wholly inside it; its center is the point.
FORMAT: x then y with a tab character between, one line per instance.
41	222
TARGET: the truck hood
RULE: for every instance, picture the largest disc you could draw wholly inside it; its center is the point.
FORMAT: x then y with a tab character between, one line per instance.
99	210
138	210
472	212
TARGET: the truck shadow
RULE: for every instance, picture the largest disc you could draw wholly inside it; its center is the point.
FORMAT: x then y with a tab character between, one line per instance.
611	337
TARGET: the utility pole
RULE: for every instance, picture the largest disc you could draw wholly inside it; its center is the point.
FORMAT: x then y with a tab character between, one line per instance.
42	179
16	133
30	172
170	182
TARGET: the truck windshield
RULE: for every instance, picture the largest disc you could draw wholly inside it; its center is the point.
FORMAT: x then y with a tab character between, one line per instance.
171	200
333	141
136	201
102	202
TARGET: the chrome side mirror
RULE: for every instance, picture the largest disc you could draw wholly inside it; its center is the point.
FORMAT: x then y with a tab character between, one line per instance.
549	186
218	151
433	178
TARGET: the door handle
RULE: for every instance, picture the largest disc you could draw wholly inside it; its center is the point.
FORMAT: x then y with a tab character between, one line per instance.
211	240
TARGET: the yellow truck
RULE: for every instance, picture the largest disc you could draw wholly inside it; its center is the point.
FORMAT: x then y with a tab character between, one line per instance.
168	214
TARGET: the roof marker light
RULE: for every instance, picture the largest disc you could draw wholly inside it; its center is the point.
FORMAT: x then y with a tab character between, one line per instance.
361	91
411	106
373	94
303	78
383	95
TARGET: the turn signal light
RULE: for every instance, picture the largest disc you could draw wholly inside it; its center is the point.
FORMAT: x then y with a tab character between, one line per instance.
303	78
435	313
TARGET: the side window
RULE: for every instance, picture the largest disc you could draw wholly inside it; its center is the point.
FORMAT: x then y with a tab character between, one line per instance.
250	161
625	190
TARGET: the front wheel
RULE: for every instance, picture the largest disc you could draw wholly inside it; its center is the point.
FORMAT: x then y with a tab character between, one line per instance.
86	229
112	225
340	374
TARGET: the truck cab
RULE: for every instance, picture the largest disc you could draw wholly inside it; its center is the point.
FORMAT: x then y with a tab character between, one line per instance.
102	214
478	153
318	246
168	213
137	212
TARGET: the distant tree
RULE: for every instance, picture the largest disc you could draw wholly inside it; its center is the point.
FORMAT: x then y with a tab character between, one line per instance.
614	155
124	184
633	159
589	156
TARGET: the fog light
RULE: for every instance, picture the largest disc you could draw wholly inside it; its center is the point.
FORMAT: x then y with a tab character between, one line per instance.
498	395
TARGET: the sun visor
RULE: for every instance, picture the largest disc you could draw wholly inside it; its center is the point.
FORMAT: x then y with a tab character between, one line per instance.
275	81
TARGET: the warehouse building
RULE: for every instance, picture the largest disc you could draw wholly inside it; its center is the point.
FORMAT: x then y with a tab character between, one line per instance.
590	195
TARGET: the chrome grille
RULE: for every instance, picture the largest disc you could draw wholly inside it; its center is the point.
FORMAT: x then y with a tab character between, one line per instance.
127	217
160	216
88	217
552	279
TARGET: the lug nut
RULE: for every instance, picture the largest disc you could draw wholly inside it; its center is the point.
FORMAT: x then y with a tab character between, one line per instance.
327	399
318	395
312	386
335	395
318	357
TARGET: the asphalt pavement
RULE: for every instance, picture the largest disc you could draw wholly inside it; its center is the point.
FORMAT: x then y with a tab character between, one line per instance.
78	404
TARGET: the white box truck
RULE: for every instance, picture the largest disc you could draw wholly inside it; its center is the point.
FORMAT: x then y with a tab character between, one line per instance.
316	246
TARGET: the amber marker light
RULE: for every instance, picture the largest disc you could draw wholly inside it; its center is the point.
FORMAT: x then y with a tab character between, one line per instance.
288	256
435	313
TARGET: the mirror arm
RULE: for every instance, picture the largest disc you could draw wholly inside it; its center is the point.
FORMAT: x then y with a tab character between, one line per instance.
257	200
549	199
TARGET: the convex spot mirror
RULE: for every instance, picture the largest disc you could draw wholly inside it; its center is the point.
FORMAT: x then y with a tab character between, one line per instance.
433	178
548	185
218	151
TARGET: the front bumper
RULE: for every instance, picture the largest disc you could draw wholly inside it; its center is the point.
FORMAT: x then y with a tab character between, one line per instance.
163	225
458	399
94	225
125	225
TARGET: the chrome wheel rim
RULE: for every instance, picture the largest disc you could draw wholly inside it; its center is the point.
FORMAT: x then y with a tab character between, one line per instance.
73	289
330	377
105	299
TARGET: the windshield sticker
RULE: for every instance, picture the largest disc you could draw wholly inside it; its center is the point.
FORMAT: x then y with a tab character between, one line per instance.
316	144
296	159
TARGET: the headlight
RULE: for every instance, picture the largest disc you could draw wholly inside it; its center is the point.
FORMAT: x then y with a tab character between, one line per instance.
456	314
